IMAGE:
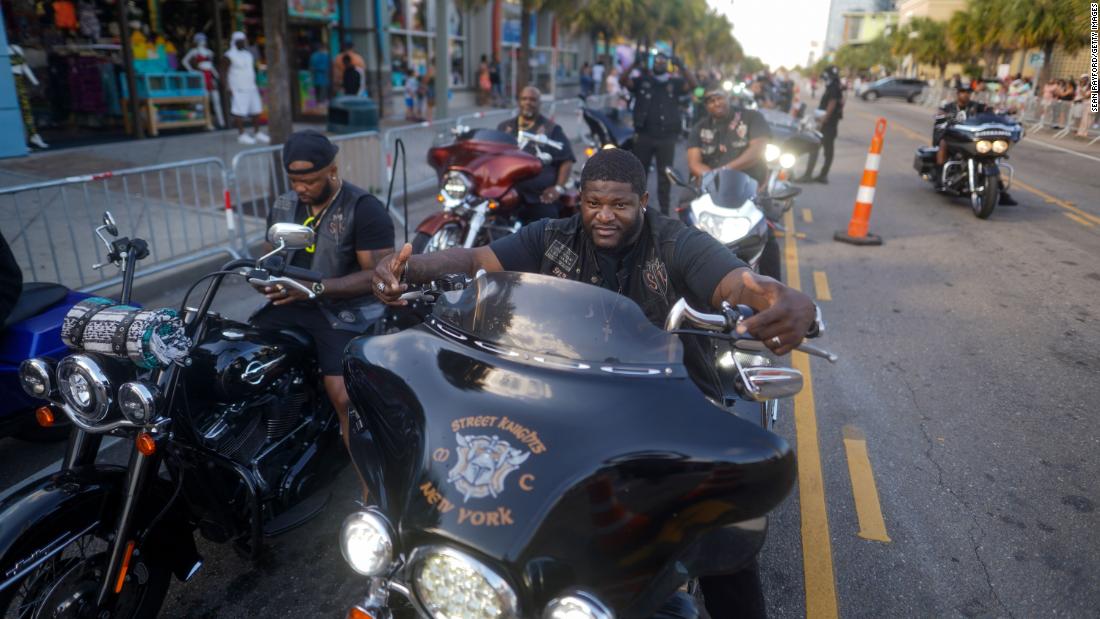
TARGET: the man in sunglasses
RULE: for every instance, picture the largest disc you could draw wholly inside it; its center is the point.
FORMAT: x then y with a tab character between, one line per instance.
353	232
729	136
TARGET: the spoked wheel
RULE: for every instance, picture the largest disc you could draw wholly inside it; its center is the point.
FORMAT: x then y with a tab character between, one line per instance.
982	202
450	235
65	586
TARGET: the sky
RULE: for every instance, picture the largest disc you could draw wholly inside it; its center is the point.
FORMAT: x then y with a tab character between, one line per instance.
778	31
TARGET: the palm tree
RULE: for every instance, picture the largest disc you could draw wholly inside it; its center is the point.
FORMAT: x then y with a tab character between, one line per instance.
1046	24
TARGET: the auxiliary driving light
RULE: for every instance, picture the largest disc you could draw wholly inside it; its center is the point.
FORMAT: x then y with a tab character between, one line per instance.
983	146
366	543
772	152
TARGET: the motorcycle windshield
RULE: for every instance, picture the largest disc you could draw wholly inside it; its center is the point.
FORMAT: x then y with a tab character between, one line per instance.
488	135
549	316
730	188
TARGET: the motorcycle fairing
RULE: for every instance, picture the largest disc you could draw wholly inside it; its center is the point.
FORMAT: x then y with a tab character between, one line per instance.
437	220
507	456
494	167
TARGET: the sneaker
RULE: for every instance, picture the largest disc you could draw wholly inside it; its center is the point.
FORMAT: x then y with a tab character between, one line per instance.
263	137
244	138
821	179
37	141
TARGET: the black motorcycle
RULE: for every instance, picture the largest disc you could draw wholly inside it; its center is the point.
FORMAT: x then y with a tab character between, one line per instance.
976	147
234	437
536	448
606	128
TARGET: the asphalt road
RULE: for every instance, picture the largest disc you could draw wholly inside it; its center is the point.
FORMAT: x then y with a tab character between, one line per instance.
969	373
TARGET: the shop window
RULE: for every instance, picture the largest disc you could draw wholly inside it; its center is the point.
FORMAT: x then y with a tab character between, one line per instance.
412	39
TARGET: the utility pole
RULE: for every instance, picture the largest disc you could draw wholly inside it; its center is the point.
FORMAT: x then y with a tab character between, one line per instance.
442	59
279	123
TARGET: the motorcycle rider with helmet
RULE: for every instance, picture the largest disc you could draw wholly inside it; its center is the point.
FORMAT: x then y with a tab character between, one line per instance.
541	194
962	108
619	243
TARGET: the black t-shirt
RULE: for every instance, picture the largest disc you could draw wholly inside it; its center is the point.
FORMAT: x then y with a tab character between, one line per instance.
951	111
833	92
531	189
699	261
11	281
373	228
721	140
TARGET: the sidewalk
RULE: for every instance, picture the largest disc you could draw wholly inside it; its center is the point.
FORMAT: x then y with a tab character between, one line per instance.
97	158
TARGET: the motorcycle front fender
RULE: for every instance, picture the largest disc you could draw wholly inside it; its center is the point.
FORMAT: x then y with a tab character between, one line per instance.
435	221
990	168
45	515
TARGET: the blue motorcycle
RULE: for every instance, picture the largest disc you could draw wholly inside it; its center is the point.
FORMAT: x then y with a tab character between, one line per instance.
31	329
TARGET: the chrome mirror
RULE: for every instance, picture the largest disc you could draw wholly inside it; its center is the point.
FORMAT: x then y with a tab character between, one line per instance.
768	383
109	223
290	236
674	176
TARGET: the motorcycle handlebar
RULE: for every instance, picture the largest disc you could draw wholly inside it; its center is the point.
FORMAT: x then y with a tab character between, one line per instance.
302	274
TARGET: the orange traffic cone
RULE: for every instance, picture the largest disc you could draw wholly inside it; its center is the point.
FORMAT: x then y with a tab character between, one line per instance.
861	215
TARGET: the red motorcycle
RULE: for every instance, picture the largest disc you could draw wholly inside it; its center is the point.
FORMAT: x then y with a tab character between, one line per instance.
478	174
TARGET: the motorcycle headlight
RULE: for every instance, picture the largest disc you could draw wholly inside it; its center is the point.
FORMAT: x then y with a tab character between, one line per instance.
727	86
366	543
1000	146
772	152
36	377
983	146
725	229
578	605
455	186
449	584
85	387
138	401
786	161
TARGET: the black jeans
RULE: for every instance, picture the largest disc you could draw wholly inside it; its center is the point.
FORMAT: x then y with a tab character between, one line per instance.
664	148
828	136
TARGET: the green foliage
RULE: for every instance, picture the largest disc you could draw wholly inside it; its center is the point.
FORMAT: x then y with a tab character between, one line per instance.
874	55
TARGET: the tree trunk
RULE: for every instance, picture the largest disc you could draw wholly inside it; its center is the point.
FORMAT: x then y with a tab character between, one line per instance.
128	62
279	122
1044	71
523	68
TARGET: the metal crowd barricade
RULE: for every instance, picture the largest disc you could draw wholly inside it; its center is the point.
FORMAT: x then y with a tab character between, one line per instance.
183	209
485	119
417	140
257	175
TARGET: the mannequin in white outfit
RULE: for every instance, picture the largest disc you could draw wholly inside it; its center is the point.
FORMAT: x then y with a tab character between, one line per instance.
244	94
200	59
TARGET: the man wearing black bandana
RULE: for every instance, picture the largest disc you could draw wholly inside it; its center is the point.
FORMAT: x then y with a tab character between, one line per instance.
729	136
353	234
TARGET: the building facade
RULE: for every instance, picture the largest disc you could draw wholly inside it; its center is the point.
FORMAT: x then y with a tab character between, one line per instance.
834	34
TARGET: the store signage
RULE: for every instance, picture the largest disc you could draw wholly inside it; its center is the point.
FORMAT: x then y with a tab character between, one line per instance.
326	10
1036	59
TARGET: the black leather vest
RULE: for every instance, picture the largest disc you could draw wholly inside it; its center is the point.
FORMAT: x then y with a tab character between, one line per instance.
657	106
334	255
569	254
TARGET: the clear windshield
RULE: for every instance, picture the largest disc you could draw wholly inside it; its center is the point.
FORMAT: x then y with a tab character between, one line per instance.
545	315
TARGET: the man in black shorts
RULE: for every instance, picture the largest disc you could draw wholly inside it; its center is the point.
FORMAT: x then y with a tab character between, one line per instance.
353	234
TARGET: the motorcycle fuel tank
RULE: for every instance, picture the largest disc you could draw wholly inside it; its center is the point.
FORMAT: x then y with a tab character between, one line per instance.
549	426
237	360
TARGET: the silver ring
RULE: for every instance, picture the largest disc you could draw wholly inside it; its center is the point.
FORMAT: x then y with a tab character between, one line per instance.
775	340
381	287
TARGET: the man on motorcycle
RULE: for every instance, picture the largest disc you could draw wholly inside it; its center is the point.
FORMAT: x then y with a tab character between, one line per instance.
962	108
730	136
541	194
353	234
618	243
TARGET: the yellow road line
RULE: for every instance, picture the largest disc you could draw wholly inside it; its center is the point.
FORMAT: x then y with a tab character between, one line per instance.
1016	182
821	286
817	553
1081	220
872	526
807	216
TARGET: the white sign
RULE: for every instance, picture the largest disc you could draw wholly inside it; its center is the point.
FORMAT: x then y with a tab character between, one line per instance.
1036	59
1002	71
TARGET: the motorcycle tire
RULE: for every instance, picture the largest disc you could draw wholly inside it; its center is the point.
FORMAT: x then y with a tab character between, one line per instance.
983	202
70	578
741	595
448	236
770	263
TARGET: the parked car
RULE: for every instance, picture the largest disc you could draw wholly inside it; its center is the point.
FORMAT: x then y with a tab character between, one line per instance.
905	88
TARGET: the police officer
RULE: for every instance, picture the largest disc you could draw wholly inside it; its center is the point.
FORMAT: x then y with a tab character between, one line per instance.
541	194
729	136
959	110
353	234
657	115
832	102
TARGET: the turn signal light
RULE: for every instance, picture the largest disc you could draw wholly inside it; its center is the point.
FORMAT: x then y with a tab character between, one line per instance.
493	204
439	197
44	416
588	152
359	613
146	444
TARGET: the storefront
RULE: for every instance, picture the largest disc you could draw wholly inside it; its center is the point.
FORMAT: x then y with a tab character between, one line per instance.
411	36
